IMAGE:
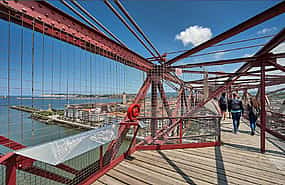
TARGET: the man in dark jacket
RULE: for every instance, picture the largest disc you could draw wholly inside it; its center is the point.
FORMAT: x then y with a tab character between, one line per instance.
236	107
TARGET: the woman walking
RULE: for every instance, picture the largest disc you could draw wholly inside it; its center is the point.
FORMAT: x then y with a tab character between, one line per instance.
236	107
223	105
253	112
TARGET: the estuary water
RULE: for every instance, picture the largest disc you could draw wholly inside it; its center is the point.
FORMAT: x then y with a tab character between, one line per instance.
17	125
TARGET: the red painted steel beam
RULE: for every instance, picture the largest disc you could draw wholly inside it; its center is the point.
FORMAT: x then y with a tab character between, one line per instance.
244	86
143	90
11	171
230	61
264	16
154	104
278	90
55	23
177	146
277	66
227	43
263	108
4	141
172	78
275	41
123	128
164	98
251	73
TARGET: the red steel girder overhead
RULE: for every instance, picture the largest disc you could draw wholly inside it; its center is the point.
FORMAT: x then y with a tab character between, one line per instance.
57	24
230	61
266	15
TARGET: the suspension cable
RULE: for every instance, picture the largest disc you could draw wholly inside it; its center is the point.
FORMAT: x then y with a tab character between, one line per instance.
128	26
228	43
97	22
227	50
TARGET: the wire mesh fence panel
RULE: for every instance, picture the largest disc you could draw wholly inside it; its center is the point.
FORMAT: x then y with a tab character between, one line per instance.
2	174
187	130
49	90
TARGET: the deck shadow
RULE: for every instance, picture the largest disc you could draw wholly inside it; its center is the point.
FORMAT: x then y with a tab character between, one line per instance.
176	168
252	149
220	168
241	131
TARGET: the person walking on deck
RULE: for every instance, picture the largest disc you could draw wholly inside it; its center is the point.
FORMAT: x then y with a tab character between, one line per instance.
223	105
237	110
253	112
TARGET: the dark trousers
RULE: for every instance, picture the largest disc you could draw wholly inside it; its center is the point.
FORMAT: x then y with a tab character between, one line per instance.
236	118
252	121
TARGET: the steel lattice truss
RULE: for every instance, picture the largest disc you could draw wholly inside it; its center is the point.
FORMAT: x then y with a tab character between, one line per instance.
43	17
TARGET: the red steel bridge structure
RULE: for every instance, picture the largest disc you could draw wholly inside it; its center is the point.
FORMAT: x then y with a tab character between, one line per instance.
44	18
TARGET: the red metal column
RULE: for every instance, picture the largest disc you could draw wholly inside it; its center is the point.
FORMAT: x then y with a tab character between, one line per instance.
263	110
153	105
164	98
11	171
101	157
180	131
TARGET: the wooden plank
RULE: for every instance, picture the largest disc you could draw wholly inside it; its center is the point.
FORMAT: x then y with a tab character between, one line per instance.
208	172
203	164
148	175
125	176
171	171
241	166
233	157
98	182
253	164
107	179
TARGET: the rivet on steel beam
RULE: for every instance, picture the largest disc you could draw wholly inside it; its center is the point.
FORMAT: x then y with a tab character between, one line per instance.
46	14
52	23
24	10
40	5
69	26
32	7
39	17
58	21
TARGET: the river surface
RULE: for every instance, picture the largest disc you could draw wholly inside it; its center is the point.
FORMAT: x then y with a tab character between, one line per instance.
17	125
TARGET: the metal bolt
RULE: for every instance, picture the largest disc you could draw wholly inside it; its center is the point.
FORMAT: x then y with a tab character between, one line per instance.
24	10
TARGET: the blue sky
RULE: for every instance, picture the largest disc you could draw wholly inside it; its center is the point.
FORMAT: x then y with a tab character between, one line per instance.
161	20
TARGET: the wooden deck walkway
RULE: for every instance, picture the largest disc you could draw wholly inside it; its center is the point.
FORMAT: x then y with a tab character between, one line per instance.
238	161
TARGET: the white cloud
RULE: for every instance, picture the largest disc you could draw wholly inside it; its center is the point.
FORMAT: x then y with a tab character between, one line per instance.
247	55
194	35
266	30
279	49
219	55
